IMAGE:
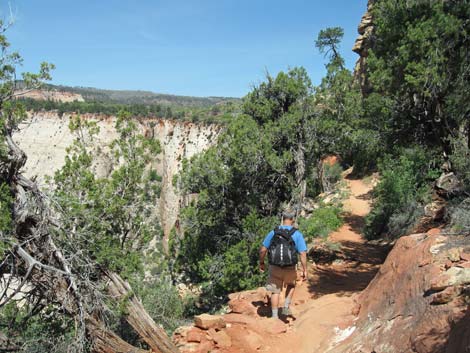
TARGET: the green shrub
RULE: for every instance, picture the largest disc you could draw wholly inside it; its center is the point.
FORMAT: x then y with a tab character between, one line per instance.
331	175
314	186
403	189
402	220
234	266
5	207
366	147
459	216
240	270
163	303
460	160
46	332
321	222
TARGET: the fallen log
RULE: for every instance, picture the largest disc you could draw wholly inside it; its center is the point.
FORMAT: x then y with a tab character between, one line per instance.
138	318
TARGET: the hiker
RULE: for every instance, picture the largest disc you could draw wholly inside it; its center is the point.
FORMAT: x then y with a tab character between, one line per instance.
282	246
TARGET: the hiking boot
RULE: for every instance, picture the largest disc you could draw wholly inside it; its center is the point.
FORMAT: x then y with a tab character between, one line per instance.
287	312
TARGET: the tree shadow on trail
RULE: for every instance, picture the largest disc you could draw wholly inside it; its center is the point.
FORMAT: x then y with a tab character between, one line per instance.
355	222
367	196
352	273
366	253
343	281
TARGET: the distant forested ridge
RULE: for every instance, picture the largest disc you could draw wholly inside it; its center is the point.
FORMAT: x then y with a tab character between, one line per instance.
138	97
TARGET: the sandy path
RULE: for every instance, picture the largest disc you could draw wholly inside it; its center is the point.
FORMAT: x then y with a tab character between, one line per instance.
325	303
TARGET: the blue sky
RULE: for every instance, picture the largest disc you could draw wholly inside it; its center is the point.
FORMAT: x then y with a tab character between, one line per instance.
199	48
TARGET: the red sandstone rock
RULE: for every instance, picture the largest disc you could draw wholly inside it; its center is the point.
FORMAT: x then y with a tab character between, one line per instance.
465	256
241	306
239	319
194	336
464	264
222	339
206	322
433	231
274	326
399	311
204	347
440	283
446	296
249	340
356	310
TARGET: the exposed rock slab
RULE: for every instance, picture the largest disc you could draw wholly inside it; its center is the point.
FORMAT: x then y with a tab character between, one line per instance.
414	303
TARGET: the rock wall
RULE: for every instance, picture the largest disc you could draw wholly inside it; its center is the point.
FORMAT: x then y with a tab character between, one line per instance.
362	45
418	301
45	137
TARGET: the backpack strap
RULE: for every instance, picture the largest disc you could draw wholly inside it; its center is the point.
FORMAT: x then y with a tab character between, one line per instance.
292	231
286	234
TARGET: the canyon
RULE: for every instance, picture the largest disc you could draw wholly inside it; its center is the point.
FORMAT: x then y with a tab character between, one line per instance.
45	137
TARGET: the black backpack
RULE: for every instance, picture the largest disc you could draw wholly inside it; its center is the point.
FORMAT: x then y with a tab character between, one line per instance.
282	251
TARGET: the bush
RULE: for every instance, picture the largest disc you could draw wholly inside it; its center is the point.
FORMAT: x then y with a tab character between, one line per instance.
366	147
331	175
233	266
163	303
403	189
402	221
460	160
459	216
46	332
321	222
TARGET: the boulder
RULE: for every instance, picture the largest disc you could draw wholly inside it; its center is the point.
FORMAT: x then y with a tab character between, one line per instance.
414	297
435	210
194	335
448	185
465	256
274	327
446	296
221	339
242	306
206	322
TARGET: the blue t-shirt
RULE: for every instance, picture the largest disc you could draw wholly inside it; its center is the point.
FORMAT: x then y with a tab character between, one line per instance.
298	237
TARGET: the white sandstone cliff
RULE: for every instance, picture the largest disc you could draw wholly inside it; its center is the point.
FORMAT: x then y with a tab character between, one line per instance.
44	136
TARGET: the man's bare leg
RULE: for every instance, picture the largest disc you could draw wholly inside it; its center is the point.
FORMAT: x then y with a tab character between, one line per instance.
289	295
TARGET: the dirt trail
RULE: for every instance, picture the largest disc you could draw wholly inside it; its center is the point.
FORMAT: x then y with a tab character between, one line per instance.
325	303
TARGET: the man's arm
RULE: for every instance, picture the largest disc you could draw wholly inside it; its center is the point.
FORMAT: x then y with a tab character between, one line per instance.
303	261
262	254
264	249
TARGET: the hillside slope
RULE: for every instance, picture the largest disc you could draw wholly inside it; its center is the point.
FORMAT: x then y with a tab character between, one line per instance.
69	93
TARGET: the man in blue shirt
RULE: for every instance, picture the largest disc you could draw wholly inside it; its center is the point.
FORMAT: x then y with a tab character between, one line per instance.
280	277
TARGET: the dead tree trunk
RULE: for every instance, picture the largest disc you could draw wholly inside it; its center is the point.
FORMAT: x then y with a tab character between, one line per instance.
300	165
138	318
105	341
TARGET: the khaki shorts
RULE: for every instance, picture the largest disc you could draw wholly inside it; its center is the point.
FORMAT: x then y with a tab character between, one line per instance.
280	277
